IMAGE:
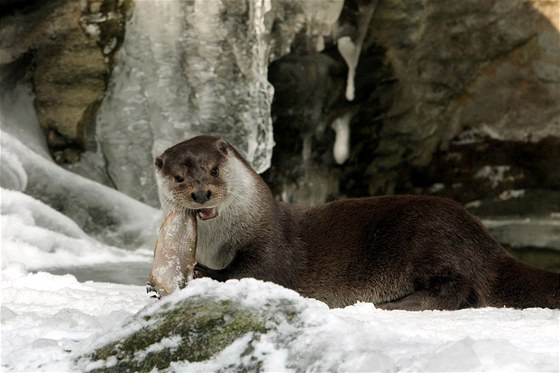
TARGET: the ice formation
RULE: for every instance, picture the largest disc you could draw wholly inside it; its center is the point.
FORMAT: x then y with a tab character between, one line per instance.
341	148
101	212
350	47
38	236
183	71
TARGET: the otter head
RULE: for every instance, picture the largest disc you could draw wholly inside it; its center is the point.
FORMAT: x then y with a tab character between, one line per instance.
192	175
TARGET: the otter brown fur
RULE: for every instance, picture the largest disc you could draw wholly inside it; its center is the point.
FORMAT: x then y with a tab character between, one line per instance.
398	252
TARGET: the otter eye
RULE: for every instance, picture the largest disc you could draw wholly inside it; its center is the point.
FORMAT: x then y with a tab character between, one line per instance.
214	172
179	179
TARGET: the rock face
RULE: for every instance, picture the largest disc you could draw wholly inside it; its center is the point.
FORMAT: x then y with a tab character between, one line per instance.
67	49
430	76
489	86
458	99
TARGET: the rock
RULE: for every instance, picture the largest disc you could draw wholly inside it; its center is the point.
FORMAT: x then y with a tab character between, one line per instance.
428	73
430	76
192	330
452	99
198	323
187	67
68	49
458	99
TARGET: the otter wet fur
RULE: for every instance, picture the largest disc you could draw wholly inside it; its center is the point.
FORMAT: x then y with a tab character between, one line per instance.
398	252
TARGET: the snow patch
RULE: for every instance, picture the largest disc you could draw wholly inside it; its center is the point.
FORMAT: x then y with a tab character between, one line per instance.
48	320
509	194
434	188
166	343
495	174
41	237
100	211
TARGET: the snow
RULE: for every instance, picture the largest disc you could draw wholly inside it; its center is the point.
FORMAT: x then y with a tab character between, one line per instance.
100	211
46	317
526	232
48	320
495	174
41	237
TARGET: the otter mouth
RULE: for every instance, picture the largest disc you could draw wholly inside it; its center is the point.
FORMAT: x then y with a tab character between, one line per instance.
207	214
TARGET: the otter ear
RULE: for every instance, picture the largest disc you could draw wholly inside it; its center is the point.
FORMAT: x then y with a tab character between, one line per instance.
223	146
159	162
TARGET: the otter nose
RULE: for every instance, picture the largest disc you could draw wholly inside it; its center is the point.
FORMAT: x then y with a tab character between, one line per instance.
201	196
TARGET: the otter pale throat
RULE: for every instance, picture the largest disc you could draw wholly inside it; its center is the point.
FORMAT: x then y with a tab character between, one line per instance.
398	252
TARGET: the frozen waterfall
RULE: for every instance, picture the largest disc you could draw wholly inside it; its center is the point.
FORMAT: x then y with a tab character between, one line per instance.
184	71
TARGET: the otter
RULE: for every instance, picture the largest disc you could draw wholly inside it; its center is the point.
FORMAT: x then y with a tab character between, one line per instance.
398	252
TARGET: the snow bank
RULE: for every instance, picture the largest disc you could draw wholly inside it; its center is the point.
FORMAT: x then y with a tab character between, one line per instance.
100	211
50	217
46	317
38	236
47	321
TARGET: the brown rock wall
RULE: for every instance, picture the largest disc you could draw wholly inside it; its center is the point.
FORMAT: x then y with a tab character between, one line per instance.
68	47
432	77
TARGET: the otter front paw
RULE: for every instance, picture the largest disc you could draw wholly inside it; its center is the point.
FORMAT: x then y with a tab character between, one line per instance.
152	292
198	272
203	271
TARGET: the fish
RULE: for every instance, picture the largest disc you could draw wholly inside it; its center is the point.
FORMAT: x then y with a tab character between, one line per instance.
174	254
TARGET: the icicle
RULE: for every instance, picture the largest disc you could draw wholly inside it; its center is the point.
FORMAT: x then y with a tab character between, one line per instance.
350	48
341	148
351	54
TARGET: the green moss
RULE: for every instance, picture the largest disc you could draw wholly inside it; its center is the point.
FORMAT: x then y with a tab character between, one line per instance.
205	328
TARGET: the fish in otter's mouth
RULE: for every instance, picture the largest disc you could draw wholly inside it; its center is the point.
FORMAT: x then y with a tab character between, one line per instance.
207	213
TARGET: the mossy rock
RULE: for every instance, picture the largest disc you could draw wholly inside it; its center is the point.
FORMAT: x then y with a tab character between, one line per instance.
194	329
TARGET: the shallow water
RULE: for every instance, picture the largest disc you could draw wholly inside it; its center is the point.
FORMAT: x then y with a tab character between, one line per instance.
136	273
129	273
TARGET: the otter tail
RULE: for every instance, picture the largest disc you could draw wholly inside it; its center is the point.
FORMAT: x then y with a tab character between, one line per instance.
518	285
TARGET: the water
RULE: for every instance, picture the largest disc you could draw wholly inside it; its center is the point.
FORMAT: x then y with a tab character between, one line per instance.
128	273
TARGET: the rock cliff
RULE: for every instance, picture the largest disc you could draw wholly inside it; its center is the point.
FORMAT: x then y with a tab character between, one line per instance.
67	50
458	99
